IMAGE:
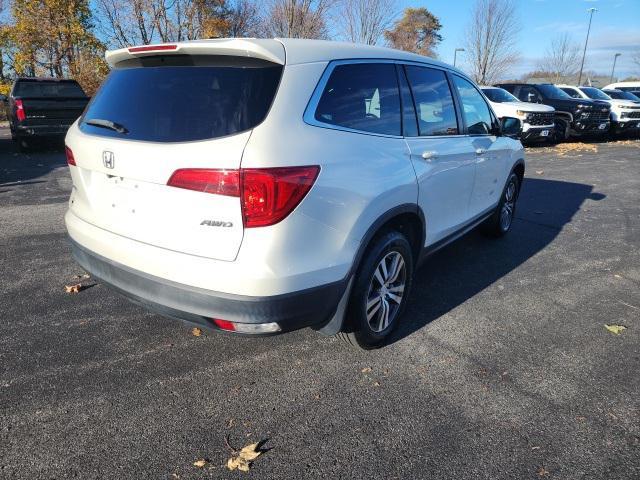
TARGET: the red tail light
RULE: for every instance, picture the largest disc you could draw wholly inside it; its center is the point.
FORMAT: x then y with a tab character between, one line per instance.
221	182
267	195
70	159
20	113
270	194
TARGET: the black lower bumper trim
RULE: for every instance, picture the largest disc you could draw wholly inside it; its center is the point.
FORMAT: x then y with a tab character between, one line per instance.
534	134
312	307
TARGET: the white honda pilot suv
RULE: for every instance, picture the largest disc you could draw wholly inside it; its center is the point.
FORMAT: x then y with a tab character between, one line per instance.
261	186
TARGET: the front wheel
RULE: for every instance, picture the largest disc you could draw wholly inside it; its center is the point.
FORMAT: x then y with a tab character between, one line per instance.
499	223
561	130
380	292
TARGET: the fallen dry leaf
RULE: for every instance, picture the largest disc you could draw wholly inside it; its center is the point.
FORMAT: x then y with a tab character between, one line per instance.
564	148
73	288
542	472
540	172
366	370
196	332
245	458
200	463
615	329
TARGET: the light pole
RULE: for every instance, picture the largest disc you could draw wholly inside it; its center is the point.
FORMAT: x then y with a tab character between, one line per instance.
455	54
615	57
591	11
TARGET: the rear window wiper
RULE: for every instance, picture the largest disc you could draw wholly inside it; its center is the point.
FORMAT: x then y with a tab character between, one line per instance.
116	127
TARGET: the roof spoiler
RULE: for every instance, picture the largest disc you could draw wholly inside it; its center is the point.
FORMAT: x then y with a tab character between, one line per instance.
270	50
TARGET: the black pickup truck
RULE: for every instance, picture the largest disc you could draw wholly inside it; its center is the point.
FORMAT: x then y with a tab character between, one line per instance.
42	108
573	117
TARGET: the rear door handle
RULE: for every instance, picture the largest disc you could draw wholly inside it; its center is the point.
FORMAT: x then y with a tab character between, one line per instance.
429	155
480	151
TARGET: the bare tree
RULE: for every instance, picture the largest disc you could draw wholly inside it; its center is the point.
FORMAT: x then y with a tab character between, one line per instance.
298	18
562	58
364	21
126	23
490	39
244	19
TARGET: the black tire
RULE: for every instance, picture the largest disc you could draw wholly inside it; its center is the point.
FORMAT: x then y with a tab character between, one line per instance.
499	223
23	145
371	331
561	131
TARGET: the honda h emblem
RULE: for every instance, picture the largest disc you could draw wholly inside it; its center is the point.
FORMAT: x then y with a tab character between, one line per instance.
108	159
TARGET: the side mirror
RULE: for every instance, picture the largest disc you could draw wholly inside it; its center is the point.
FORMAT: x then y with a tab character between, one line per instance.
531	98
511	127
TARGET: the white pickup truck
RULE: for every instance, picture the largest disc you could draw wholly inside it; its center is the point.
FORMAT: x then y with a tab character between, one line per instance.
537	119
625	114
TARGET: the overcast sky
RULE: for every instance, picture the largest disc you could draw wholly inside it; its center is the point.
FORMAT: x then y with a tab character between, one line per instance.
615	29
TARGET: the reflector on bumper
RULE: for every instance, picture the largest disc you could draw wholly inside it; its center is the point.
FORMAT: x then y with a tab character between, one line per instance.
254	328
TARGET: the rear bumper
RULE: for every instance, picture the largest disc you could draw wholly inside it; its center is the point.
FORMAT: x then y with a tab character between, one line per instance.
312	307
42	130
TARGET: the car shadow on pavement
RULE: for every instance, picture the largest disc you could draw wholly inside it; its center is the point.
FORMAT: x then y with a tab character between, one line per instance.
466	267
18	168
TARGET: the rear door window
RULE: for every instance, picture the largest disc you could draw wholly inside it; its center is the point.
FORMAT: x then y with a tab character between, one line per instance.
362	96
433	101
182	103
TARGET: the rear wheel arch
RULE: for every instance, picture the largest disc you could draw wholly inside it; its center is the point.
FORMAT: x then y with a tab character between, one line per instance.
518	169
407	219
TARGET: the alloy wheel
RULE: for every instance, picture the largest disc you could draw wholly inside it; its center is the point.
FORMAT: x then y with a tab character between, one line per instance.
508	206
386	291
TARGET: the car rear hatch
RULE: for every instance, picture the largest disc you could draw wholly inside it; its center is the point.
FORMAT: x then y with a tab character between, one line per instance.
49	102
161	112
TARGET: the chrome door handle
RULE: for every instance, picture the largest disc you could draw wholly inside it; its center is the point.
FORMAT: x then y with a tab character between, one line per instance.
480	151
429	155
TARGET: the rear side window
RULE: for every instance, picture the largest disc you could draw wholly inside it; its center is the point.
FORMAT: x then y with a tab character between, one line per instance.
433	101
185	102
362	96
48	89
475	110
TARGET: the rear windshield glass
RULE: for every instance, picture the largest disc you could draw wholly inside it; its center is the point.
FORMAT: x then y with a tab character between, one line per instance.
183	103
48	89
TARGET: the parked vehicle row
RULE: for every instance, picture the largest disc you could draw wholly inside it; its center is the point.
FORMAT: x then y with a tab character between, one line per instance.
538	121
43	108
625	114
576	111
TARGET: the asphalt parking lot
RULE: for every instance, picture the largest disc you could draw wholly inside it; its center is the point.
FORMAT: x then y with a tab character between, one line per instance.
503	368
